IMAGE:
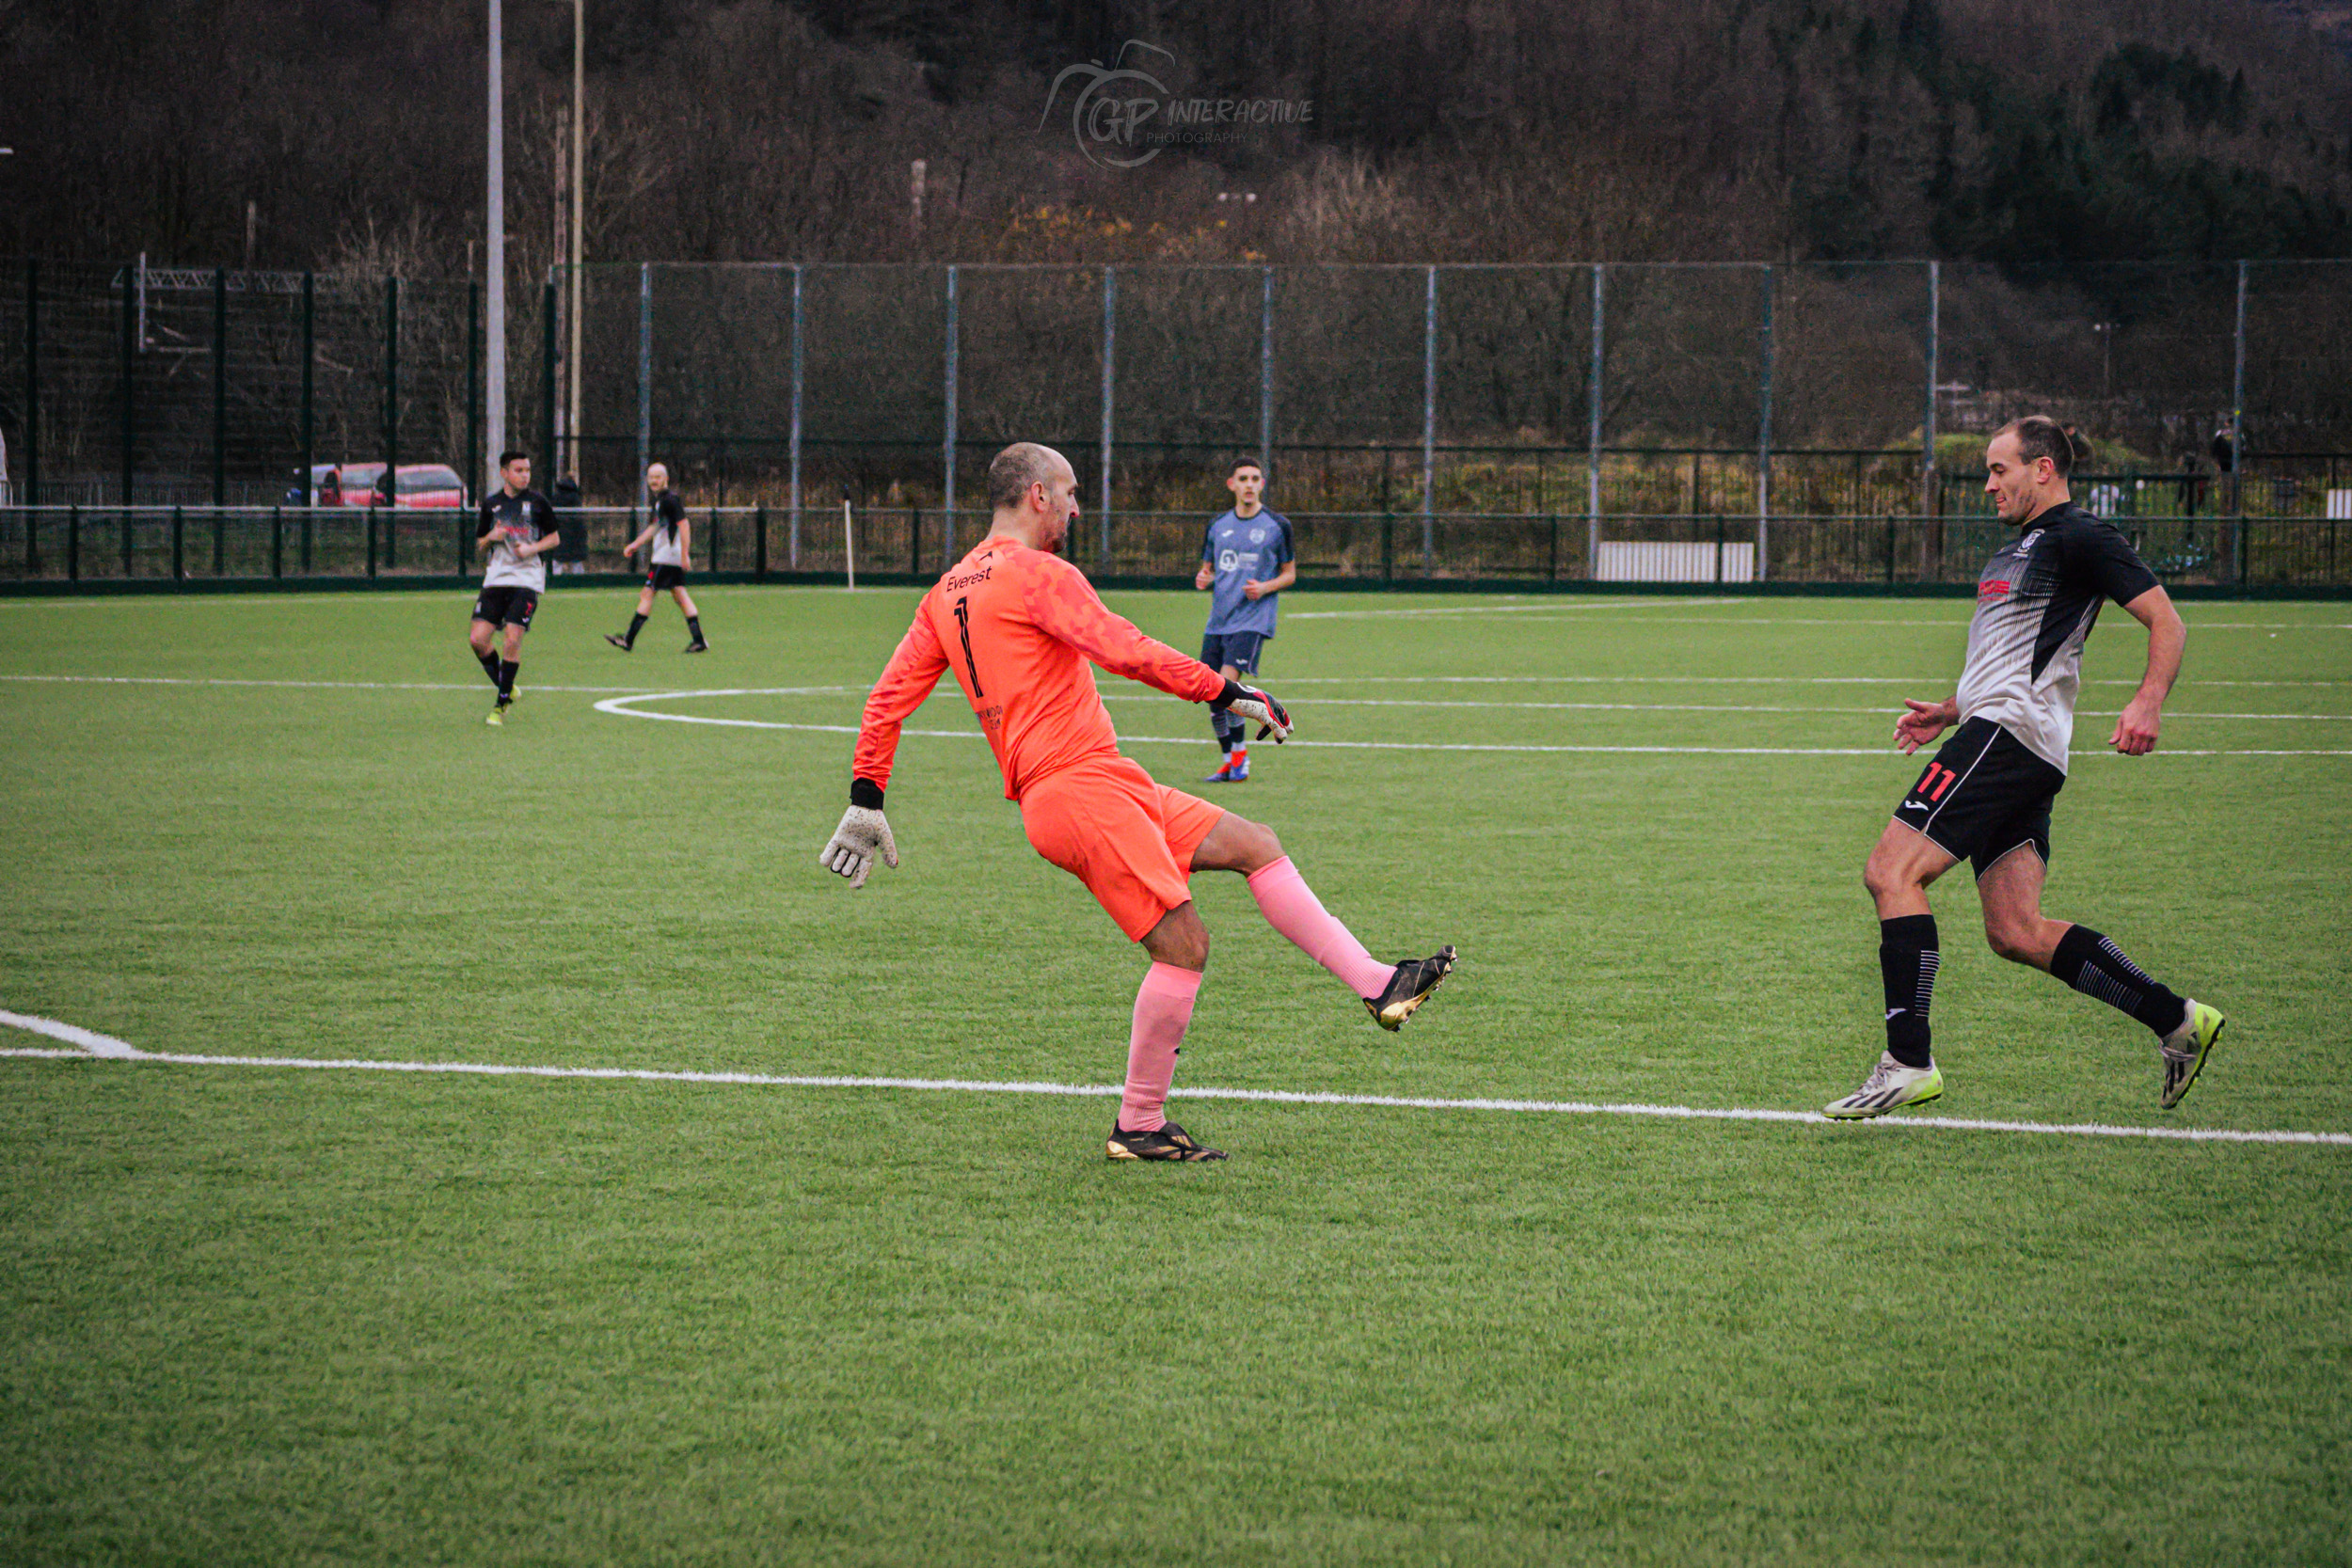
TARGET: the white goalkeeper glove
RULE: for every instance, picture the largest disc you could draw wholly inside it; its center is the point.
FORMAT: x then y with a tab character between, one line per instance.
1259	708
864	834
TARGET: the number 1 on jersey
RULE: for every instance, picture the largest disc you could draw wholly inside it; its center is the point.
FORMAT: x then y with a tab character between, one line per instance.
964	630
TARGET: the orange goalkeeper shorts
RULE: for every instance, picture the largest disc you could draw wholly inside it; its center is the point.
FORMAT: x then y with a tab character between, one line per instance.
1129	839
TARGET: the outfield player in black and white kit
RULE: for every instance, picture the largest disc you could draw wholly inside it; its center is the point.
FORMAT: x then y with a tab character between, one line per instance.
672	535
517	527
1986	797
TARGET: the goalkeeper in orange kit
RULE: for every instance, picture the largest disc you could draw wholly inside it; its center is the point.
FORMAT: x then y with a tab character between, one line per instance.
1017	625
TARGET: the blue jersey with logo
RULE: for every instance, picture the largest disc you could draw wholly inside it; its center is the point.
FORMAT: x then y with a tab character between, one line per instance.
1244	550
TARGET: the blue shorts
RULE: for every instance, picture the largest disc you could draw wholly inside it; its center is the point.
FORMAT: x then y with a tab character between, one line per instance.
1237	648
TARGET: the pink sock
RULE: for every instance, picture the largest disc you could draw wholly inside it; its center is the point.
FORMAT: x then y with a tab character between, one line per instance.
1291	907
1163	1011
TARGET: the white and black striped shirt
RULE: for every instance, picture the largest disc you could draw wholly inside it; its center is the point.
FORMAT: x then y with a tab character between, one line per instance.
2037	601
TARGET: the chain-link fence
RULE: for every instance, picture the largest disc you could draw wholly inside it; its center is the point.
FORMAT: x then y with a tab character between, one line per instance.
1584	407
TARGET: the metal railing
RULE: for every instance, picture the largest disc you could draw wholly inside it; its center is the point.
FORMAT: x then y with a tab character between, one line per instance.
1818	388
105	547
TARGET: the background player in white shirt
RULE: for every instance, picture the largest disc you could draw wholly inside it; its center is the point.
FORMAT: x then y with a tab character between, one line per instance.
517	527
670	533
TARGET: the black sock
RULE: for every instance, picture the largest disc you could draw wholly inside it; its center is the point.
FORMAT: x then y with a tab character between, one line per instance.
2096	967
636	625
1221	724
489	666
506	678
1908	959
695	625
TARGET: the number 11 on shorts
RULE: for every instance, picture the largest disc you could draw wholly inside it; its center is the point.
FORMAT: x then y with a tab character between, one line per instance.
1929	779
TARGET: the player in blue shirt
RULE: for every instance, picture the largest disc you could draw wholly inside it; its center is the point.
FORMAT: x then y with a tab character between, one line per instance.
1247	558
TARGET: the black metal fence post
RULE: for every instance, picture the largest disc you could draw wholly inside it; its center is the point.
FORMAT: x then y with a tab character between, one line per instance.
914	541
759	525
1719	542
392	409
126	541
73	544
178	541
130	357
371	541
310	516
220	388
474	470
29	458
32	390
1388	549
278	541
1890	548
1552	570
546	381
309	356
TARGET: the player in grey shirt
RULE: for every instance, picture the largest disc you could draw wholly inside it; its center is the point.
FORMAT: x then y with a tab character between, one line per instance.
1986	797
1246	559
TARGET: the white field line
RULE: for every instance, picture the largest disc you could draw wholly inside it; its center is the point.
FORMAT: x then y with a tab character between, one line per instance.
624	694
386	686
1903	681
95	1045
1518	608
1890	681
1679	707
1950	627
94	601
1563	606
1570	606
85	1041
620	708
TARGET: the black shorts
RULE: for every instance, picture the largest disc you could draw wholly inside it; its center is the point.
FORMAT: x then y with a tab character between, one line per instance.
666	576
1983	796
1239	649
507	606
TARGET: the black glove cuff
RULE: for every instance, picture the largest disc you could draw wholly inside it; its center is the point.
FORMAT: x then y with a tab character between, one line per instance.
866	793
1234	691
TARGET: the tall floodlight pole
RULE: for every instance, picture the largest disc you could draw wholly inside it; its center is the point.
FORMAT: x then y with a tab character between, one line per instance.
493	380
580	158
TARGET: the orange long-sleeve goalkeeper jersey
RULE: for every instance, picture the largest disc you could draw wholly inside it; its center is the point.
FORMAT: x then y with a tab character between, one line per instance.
1018	628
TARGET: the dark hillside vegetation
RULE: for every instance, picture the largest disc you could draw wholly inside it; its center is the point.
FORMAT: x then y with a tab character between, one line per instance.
1504	130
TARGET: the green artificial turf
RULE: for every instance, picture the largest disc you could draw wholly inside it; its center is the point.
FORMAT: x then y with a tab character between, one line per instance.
274	1314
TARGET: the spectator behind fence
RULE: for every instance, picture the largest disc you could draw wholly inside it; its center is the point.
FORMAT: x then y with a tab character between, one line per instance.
571	555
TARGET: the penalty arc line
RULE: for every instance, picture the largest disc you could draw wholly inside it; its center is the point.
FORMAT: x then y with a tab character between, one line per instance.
631	693
619	707
96	1046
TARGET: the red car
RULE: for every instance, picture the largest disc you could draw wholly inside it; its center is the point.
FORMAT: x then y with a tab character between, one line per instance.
418	485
